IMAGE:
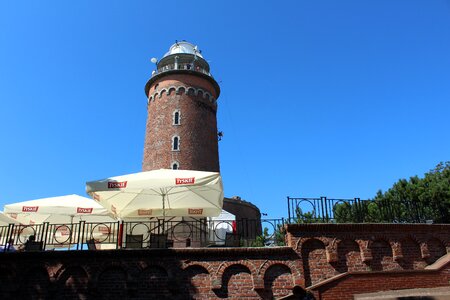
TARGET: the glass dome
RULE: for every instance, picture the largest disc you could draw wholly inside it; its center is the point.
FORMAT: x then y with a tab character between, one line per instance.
183	47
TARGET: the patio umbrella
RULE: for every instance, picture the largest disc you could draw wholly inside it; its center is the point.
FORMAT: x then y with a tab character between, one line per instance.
5	220
171	193
58	210
65	212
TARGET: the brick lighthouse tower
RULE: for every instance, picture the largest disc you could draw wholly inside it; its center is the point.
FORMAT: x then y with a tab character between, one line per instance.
181	130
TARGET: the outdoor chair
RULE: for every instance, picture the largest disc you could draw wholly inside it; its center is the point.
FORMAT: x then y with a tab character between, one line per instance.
91	244
134	241
232	240
158	240
34	246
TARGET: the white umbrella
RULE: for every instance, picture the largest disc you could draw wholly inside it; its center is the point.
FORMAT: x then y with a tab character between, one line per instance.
174	193
66	212
5	220
58	210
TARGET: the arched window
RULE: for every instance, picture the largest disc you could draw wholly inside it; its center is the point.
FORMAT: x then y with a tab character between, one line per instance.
176	143
176	117
175	165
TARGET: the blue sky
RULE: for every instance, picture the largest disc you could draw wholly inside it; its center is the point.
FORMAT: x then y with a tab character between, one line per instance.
319	98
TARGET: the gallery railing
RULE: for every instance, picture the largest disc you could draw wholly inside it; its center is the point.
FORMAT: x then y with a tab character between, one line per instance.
327	210
182	66
141	234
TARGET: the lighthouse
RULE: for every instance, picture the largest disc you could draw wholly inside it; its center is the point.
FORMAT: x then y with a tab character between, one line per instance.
181	130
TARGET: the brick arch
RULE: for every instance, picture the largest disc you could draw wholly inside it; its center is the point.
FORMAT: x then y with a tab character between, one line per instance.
154	281
95	273
114	273
313	255
157	264
161	92
411	253
35	283
278	280
170	89
72	282
382	254
64	268
208	96
8	281
303	240
207	266
197	280
196	265
246	263
349	256
292	265
436	249
181	89
190	90
234	282
158	94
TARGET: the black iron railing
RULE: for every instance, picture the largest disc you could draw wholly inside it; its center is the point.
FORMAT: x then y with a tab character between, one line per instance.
190	232
141	234
181	66
327	210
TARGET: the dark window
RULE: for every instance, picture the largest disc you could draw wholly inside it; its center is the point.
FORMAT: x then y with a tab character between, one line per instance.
175	143
175	166
176	118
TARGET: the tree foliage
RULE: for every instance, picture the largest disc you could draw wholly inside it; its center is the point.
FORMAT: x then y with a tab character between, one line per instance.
424	199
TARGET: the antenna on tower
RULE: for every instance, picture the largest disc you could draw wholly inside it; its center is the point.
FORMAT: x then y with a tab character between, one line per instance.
195	52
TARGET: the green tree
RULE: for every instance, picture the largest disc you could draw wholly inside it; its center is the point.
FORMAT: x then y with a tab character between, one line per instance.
413	200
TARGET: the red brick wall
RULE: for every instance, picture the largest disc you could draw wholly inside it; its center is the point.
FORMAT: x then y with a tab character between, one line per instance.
345	287
210	273
332	261
195	98
341	260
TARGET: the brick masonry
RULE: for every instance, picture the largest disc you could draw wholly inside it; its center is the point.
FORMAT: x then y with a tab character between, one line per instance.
368	254
232	273
331	261
195	98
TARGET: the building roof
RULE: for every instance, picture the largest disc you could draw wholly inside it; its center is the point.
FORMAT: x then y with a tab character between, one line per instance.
183	47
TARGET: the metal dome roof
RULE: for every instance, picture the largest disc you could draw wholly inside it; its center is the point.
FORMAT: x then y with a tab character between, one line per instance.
183	47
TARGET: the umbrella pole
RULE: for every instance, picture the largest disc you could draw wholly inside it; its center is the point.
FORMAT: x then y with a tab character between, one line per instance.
164	210
119	238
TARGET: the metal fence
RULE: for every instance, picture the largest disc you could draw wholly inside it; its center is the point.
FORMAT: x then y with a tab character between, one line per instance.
140	234
328	210
190	232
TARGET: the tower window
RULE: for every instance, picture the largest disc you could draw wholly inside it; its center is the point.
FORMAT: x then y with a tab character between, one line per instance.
175	165
176	143
176	117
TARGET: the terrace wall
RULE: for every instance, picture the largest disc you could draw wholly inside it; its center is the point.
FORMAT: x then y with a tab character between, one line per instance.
332	261
209	273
